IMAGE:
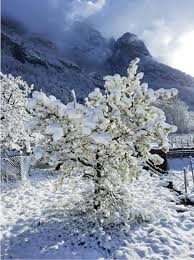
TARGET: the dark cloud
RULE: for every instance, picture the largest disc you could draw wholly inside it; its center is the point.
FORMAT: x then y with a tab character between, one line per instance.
40	16
50	16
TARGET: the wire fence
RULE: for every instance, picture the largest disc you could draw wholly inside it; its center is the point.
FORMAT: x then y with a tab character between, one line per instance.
14	168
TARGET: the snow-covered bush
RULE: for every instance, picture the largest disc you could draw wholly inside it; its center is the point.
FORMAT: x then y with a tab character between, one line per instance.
14	92
106	140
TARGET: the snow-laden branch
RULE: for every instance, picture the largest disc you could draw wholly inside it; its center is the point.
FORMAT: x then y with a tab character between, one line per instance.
108	138
14	114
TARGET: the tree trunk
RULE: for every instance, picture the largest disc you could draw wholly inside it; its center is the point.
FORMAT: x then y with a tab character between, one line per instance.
97	183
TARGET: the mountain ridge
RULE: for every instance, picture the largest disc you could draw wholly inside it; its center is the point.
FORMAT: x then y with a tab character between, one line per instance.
82	60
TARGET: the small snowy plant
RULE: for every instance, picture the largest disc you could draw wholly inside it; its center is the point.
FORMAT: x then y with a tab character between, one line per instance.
107	139
14	92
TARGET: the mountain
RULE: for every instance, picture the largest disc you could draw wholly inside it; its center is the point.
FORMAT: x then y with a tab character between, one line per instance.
158	75
40	62
88	48
81	59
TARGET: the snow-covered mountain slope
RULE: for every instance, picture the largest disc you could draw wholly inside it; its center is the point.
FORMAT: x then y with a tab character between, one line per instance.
158	75
41	63
88	48
81	59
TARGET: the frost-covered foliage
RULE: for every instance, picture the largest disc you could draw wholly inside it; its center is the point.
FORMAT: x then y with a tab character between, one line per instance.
106	140
177	113
14	92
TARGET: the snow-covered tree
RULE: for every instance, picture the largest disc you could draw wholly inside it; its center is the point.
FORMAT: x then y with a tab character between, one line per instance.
105	140
177	113
14	92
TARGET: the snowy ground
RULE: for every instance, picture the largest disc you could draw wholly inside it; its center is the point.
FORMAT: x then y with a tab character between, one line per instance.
34	220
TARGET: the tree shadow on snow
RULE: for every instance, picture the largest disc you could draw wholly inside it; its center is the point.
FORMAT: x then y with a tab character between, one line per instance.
63	234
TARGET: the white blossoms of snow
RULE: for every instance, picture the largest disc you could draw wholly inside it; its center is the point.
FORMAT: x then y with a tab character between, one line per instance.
56	131
13	133
102	138
107	138
40	99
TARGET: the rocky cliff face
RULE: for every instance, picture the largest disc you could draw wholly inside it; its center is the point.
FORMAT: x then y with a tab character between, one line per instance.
42	63
158	75
82	59
86	46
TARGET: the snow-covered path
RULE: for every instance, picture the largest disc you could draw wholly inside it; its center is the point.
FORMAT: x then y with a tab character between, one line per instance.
33	216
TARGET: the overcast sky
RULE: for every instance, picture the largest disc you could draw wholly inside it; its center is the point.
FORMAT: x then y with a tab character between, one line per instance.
166	26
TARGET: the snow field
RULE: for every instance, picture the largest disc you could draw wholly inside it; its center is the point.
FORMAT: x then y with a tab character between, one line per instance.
37	223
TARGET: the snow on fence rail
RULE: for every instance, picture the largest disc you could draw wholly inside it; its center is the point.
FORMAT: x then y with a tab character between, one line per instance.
181	141
14	168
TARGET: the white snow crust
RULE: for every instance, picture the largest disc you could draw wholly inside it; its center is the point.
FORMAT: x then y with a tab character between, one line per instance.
34	220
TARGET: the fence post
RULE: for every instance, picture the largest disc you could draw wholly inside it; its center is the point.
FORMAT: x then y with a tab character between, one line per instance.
25	166
185	180
191	166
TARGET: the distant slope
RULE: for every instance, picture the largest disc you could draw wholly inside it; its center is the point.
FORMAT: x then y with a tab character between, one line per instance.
81	61
40	62
156	74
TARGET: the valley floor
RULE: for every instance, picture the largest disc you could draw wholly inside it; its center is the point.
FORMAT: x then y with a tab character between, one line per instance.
33	221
